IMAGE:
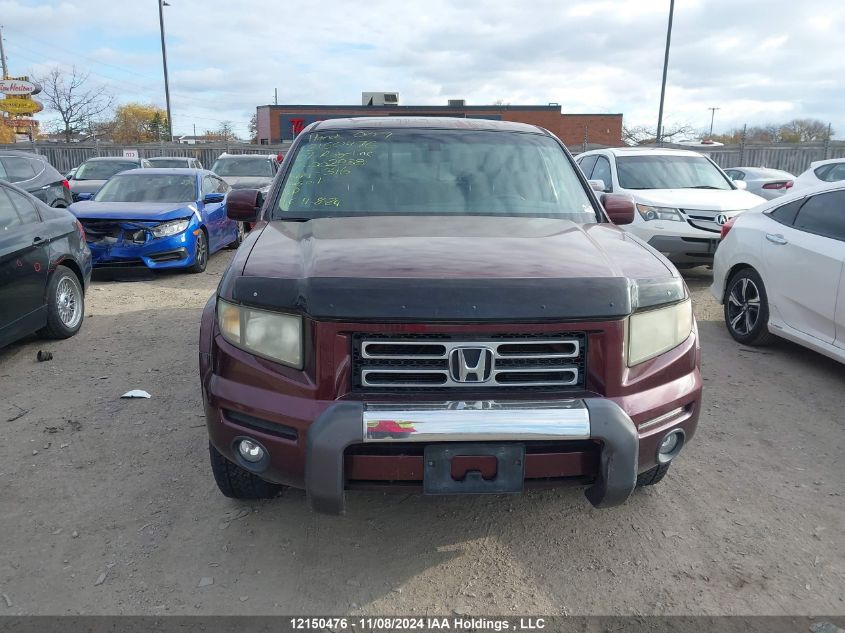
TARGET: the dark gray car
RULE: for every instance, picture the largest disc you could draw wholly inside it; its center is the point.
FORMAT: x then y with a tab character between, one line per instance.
32	173
94	172
246	171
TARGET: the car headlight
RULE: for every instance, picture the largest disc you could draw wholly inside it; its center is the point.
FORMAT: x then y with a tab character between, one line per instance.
273	335
174	227
656	331
648	212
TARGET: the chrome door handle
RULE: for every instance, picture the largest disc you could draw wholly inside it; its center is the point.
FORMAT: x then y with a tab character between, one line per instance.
776	238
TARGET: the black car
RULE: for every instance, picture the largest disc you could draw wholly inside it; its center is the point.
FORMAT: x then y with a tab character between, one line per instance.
34	174
94	172
45	267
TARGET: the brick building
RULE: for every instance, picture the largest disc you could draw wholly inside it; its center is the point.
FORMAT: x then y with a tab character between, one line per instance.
282	122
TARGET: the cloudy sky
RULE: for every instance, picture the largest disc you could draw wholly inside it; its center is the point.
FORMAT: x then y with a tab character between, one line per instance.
758	60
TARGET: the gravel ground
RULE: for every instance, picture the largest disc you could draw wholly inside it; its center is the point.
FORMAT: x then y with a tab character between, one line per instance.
109	507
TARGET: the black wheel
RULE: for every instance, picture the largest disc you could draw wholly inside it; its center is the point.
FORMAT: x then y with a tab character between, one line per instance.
747	308
238	483
239	238
65	305
200	254
652	476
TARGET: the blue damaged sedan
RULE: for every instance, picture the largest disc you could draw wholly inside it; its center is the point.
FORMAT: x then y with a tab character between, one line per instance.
158	218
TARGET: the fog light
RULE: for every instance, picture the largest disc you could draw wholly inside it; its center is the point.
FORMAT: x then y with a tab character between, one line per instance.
250	451
669	443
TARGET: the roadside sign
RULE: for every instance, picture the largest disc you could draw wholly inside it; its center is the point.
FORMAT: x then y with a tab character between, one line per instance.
130	153
19	87
15	105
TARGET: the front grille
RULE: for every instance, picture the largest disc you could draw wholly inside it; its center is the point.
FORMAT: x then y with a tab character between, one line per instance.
383	363
704	220
113	231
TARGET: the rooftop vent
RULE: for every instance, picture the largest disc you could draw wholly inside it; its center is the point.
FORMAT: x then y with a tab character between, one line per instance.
457	103
379	98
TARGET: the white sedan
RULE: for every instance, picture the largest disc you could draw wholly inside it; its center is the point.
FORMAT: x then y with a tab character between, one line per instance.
780	270
820	172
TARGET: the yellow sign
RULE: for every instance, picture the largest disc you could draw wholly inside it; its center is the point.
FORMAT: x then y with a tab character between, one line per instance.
20	106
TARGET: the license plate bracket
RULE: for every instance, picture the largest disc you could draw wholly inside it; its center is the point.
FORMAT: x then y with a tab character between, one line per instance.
510	469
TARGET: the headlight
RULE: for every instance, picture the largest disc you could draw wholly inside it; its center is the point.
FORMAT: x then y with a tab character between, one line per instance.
272	335
648	212
166	229
656	331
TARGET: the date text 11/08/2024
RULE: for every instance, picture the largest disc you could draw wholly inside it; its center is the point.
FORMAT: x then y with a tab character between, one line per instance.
418	624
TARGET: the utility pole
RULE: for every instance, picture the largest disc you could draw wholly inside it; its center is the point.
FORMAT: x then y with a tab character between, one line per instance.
161	5
276	97
3	56
712	115
665	68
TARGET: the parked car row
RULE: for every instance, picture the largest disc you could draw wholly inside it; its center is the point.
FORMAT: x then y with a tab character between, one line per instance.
161	213
777	248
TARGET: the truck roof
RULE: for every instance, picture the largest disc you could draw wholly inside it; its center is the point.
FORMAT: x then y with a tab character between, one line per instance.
442	123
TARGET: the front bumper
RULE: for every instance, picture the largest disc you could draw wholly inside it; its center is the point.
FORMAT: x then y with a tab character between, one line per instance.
176	251
348	423
686	250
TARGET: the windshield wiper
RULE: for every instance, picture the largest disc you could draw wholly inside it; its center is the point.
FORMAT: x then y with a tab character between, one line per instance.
293	219
702	187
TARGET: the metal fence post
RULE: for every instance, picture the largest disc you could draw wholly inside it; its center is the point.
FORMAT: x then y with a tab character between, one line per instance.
827	143
742	146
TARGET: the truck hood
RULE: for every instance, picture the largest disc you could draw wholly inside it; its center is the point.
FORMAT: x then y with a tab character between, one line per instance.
161	211
444	267
248	182
698	199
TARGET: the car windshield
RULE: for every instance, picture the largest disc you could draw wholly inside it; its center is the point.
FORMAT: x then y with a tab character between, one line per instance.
169	162
669	172
102	169
258	167
142	187
432	172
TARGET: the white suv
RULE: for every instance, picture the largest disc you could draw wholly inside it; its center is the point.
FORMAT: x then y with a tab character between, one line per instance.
682	197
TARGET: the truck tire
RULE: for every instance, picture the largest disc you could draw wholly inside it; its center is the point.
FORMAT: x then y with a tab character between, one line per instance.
65	305
653	475
238	483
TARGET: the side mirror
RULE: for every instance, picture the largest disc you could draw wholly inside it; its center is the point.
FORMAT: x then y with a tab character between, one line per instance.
84	196
213	198
740	184
619	208
243	205
598	185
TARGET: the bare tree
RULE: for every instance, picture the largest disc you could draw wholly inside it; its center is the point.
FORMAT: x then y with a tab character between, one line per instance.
804	131
252	127
644	135
77	103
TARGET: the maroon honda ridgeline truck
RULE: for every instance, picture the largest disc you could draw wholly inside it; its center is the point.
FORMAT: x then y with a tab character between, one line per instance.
443	305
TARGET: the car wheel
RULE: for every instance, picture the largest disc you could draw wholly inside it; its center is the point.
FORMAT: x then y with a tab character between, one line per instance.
238	483
65	305
747	308
653	475
200	254
239	238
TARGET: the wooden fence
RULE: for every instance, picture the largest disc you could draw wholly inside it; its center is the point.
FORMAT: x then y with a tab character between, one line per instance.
66	156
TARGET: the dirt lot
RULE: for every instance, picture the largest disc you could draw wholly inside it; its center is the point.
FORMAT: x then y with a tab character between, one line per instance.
108	505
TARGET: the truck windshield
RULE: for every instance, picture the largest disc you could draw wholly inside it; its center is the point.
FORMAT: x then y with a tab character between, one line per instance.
669	172
432	172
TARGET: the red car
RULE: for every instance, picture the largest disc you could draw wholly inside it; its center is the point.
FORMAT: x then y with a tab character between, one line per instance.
443	305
